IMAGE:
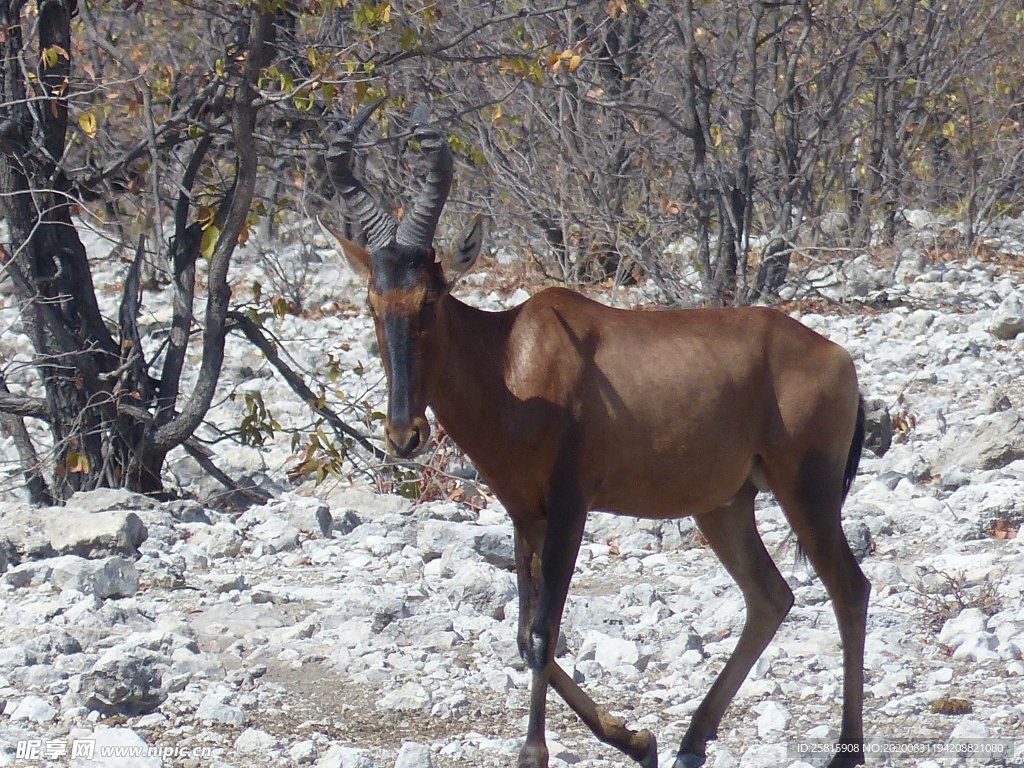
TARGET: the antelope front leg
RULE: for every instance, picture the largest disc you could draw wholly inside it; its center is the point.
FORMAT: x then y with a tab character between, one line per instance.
641	746
529	538
558	550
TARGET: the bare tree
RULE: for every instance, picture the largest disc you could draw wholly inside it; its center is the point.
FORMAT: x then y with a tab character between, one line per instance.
111	420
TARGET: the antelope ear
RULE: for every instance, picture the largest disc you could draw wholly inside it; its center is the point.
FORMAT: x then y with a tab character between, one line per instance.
357	256
465	249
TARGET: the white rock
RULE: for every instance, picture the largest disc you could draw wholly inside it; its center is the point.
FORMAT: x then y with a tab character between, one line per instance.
1008	319
125	680
114	748
253	741
411	696
765	756
969	621
34	709
302	752
217	540
772	718
518	296
980	646
308	515
110	577
214	708
97	534
484	587
339	756
917	218
612	653
909	266
414	755
969	728
493	543
277	534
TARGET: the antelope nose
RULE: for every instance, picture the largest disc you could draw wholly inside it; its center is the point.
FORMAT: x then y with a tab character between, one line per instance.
405	440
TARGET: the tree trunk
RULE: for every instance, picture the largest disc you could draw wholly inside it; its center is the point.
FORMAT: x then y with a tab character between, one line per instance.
111	423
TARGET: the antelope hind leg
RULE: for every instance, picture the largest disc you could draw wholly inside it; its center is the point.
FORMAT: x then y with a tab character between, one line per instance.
732	534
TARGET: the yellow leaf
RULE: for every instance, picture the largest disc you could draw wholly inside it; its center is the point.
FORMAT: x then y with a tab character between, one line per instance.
496	114
209	241
87	122
78	462
574	62
616	8
51	56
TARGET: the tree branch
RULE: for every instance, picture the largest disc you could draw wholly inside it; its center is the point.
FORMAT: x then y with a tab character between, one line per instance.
22	405
12	409
244	111
252	332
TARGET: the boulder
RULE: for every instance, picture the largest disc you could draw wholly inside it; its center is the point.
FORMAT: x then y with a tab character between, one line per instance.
413	755
992	442
33	533
114	748
110	577
1008	318
339	756
125	681
877	426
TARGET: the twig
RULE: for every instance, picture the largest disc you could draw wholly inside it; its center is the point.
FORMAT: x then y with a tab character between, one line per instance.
252	332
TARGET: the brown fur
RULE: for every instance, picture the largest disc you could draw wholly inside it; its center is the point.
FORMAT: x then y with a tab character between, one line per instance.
566	405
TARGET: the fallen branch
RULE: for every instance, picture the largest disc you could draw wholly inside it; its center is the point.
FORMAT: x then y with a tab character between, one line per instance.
201	454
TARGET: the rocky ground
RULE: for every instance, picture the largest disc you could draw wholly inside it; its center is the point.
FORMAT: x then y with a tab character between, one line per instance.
339	627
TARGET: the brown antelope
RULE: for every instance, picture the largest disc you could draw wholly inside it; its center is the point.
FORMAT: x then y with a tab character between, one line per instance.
566	405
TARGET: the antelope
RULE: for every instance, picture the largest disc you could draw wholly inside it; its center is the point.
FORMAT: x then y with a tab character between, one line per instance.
566	405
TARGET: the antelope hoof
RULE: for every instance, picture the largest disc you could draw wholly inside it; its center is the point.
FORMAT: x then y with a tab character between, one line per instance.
846	761
689	760
650	758
533	756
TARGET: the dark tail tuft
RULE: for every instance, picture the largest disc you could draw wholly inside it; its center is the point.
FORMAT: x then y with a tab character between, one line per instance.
853	460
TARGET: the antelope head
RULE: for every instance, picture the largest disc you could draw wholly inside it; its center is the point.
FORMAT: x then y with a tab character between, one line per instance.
408	282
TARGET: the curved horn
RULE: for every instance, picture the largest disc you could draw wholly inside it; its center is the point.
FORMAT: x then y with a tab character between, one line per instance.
378	225
417	229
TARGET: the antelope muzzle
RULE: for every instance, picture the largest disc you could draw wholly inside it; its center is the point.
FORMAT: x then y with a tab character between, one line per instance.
406	438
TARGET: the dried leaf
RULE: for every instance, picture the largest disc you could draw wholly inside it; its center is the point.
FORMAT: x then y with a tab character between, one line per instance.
948	705
78	462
